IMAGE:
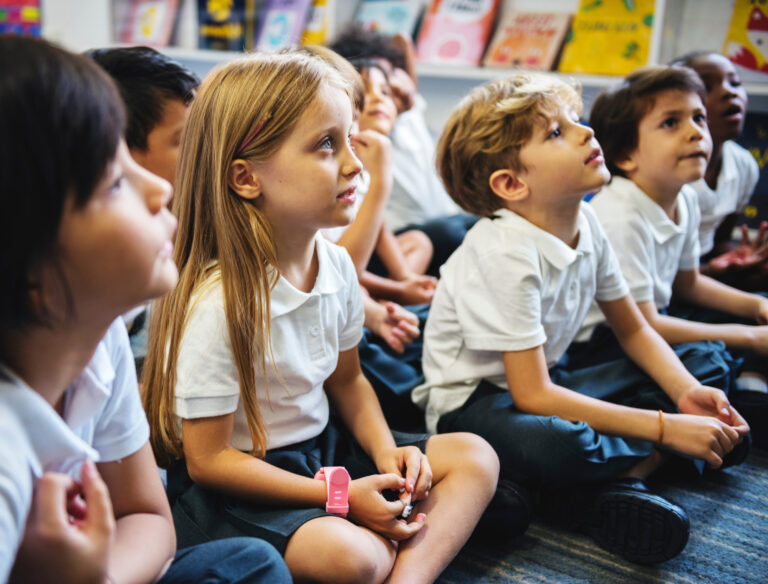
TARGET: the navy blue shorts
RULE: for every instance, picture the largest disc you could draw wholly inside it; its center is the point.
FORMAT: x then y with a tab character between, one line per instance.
202	515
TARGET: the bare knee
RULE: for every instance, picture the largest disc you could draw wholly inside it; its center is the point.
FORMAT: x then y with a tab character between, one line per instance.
465	453
330	549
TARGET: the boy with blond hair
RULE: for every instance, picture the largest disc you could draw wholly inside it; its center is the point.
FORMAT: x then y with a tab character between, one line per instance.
654	130
510	302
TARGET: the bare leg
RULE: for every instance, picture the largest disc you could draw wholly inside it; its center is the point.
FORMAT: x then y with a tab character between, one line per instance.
646	467
334	550
417	250
464	473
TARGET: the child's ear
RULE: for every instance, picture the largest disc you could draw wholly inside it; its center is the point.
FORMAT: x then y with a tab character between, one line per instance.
242	179
628	165
507	185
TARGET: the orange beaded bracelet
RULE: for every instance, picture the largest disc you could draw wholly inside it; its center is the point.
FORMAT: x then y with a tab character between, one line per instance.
661	428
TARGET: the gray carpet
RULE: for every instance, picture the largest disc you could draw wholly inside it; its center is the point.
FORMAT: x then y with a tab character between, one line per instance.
728	544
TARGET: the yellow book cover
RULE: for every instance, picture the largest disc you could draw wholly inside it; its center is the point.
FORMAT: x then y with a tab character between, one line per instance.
746	42
316	29
608	37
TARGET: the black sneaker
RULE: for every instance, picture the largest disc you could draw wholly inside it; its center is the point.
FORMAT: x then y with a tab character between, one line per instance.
629	520
509	512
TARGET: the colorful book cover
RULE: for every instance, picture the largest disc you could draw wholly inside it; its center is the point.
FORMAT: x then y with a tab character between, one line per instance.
150	22
225	25
530	40
390	17
609	37
318	23
282	23
746	42
455	32
20	17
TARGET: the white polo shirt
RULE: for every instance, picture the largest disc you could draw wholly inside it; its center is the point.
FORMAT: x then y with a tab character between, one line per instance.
510	286
308	331
735	184
103	420
418	194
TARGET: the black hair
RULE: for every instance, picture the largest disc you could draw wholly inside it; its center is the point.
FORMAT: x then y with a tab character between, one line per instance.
146	79
688	58
61	120
357	43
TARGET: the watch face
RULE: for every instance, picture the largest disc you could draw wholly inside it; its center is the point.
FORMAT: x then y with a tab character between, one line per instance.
339	477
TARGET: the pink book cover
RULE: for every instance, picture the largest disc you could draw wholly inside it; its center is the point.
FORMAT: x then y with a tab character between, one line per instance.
151	22
455	32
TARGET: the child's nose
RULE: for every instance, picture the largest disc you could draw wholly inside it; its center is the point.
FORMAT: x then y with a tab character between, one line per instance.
352	165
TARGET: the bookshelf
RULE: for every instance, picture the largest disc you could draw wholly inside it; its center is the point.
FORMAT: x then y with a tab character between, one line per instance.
682	25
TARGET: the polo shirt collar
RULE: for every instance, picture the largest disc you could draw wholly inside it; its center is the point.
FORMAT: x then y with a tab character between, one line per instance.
659	224
56	446
555	250
286	298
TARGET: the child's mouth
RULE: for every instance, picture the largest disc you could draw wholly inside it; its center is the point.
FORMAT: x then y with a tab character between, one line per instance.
347	196
733	113
595	157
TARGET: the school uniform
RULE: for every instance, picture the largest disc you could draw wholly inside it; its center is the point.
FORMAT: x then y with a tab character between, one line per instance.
510	287
102	420
736	182
308	330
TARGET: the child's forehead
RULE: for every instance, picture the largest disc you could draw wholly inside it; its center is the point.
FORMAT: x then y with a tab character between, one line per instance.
672	100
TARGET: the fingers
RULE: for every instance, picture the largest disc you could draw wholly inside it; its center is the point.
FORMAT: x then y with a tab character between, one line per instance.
394	342
738	423
50	502
100	517
413	468
424	483
404	530
408	329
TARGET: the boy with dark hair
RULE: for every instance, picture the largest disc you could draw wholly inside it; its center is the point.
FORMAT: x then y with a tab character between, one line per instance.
497	355
157	92
653	127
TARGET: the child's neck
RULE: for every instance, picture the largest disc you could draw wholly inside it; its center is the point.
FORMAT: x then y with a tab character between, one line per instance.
561	220
714	165
665	196
296	258
49	359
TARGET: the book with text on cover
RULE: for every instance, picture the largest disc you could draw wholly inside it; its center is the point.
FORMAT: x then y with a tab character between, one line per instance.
282	24
530	40
455	32
225	25
608	37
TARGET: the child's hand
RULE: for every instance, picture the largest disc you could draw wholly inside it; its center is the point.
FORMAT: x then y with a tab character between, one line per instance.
758	337
368	507
701	437
417	289
747	255
67	538
702	400
412	463
375	152
396	325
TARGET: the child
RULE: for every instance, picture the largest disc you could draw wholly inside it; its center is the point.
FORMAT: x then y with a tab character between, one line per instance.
514	152
731	175
654	130
84	234
264	322
418	199
156	92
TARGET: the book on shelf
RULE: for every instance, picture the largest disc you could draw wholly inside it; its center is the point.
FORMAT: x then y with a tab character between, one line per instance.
150	22
529	40
20	17
746	42
755	139
608	37
390	17
225	26
317	29
282	24
455	32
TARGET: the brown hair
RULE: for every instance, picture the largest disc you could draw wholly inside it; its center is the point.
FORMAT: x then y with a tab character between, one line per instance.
487	130
618	111
224	237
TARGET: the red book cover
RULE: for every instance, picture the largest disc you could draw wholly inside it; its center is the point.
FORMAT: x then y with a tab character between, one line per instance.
455	32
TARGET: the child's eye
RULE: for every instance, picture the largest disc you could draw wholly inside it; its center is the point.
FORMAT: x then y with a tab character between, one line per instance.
326	144
669	123
115	186
556	133
700	118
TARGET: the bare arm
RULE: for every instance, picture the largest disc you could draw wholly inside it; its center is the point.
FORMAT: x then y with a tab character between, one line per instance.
145	539
705	291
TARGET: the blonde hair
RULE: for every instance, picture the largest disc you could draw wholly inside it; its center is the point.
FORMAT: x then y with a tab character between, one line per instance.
489	127
343	66
222	235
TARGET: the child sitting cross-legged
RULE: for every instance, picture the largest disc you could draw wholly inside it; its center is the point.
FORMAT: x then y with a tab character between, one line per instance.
653	127
510	302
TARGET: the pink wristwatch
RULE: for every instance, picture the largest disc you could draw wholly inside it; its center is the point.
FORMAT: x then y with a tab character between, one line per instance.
337	484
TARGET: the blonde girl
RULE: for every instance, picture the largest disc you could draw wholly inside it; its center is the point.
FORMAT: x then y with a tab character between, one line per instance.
262	329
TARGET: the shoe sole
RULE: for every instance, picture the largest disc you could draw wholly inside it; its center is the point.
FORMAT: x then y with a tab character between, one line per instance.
641	527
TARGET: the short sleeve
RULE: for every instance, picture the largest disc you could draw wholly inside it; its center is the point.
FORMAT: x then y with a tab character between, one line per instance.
351	332
206	375
610	281
500	309
122	428
750	173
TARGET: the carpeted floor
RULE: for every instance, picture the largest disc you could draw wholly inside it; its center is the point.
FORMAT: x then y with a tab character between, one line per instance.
728	544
